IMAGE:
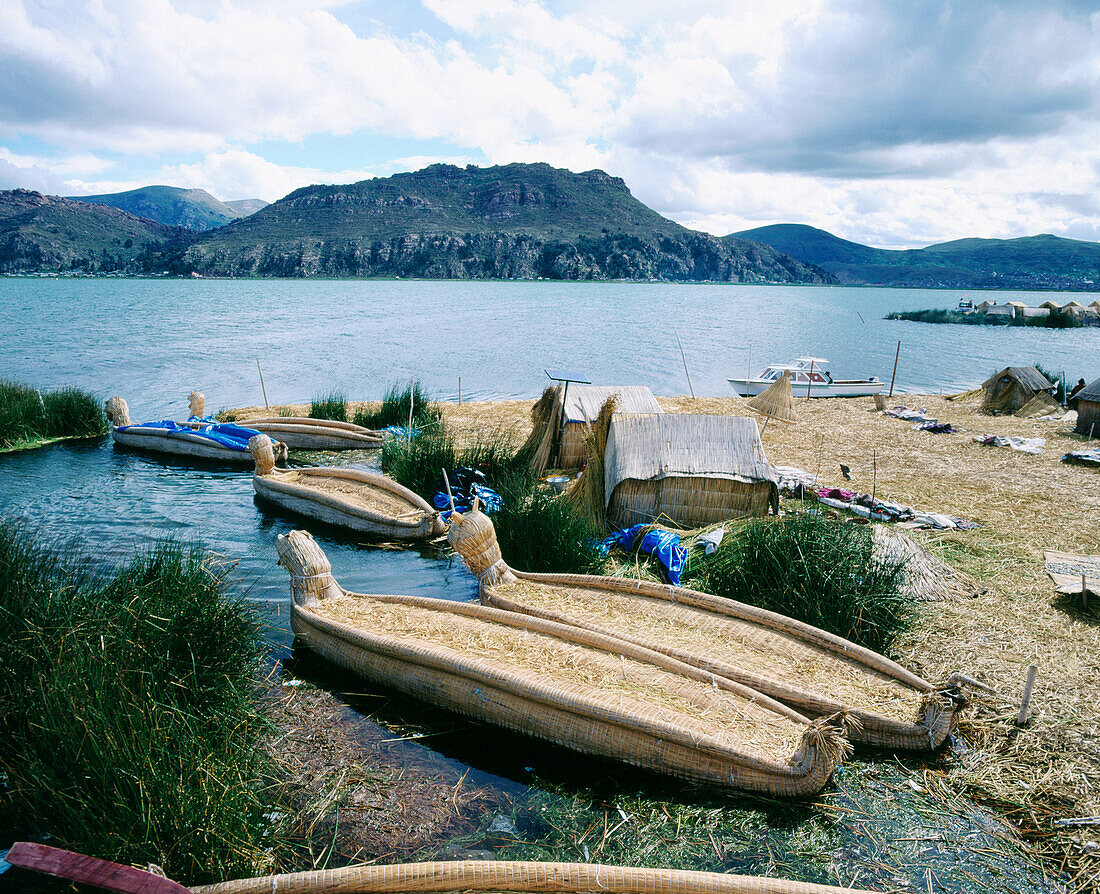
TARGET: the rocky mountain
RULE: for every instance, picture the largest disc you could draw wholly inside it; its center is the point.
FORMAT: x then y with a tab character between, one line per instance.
245	207
191	209
50	234
519	221
1030	262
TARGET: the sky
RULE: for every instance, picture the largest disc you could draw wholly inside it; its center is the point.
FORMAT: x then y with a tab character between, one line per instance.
896	123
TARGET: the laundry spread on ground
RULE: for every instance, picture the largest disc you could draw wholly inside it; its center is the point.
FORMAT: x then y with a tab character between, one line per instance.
1023	445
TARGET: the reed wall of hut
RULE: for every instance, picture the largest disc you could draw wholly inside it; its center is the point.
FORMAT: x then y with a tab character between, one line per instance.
691	470
1088	410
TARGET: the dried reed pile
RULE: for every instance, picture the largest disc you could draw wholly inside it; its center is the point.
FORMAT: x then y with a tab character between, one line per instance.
373	499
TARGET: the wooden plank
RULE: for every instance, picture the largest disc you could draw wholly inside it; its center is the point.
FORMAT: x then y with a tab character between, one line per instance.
89	870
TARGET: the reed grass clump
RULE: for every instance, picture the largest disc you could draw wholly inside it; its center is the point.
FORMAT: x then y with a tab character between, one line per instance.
395	408
27	415
540	531
333	405
128	725
824	572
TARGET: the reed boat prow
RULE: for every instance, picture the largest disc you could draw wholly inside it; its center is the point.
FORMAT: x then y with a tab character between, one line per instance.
814	671
572	687
349	498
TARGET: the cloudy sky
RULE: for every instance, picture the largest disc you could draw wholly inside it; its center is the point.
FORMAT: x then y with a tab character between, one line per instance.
896	123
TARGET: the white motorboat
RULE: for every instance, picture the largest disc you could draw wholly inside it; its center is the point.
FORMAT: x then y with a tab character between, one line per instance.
809	377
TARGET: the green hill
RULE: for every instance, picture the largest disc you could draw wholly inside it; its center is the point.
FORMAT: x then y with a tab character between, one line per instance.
1042	262
191	209
245	207
519	221
50	234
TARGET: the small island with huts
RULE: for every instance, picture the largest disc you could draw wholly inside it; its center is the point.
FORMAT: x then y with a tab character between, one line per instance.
1049	314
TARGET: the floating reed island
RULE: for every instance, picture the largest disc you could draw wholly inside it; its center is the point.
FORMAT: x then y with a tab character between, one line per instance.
1049	314
346	498
576	688
813	671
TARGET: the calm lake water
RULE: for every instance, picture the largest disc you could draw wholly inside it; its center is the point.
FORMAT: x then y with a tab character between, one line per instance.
153	341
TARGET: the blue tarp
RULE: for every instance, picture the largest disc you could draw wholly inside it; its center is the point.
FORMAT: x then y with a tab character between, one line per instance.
488	498
224	433
662	545
400	431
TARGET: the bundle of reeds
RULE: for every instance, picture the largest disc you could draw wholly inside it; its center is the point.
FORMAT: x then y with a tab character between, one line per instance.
545	422
586	496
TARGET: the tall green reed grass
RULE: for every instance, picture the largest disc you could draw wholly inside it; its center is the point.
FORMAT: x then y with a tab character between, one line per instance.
333	405
815	569
128	725
25	415
395	408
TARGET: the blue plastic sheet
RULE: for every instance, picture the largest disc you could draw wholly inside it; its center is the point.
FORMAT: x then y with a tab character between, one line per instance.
664	546
224	433
464	489
400	431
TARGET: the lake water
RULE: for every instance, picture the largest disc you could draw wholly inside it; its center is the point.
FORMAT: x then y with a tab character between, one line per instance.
154	341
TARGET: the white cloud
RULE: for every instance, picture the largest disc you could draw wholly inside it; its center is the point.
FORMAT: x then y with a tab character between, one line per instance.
889	123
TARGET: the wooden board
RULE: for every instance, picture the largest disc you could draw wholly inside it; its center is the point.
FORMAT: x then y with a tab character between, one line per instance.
1065	569
89	870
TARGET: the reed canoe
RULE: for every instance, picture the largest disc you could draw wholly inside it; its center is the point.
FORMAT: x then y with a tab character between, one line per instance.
193	440
348	498
811	670
507	877
557	682
303	433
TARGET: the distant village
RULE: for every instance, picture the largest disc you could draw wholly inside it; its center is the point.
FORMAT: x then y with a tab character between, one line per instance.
1086	315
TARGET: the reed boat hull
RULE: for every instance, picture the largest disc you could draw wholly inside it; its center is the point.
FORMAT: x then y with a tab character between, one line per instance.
509	877
316	434
567	719
301	499
185	444
933	713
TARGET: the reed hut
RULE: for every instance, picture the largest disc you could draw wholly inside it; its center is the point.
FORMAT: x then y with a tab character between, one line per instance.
1052	306
1012	388
561	419
687	470
1088	410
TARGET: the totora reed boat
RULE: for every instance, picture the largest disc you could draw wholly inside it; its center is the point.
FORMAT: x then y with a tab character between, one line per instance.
813	671
348	498
196	439
557	682
451	877
303	433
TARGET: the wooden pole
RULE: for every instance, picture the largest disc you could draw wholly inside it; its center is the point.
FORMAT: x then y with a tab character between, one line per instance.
1025	702
450	496
809	384
409	428
684	358
263	387
897	354
1084	593
460	391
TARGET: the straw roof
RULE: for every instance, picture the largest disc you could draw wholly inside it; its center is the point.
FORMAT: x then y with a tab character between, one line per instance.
1041	405
583	402
682	446
777	401
1091	392
1028	376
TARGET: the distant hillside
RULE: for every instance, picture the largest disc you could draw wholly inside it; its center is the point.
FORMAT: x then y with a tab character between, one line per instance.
1031	262
50	234
191	209
245	207
518	221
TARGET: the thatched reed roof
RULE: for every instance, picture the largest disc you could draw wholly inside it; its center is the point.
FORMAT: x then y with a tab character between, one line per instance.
1091	392
1028	376
682	446
583	402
